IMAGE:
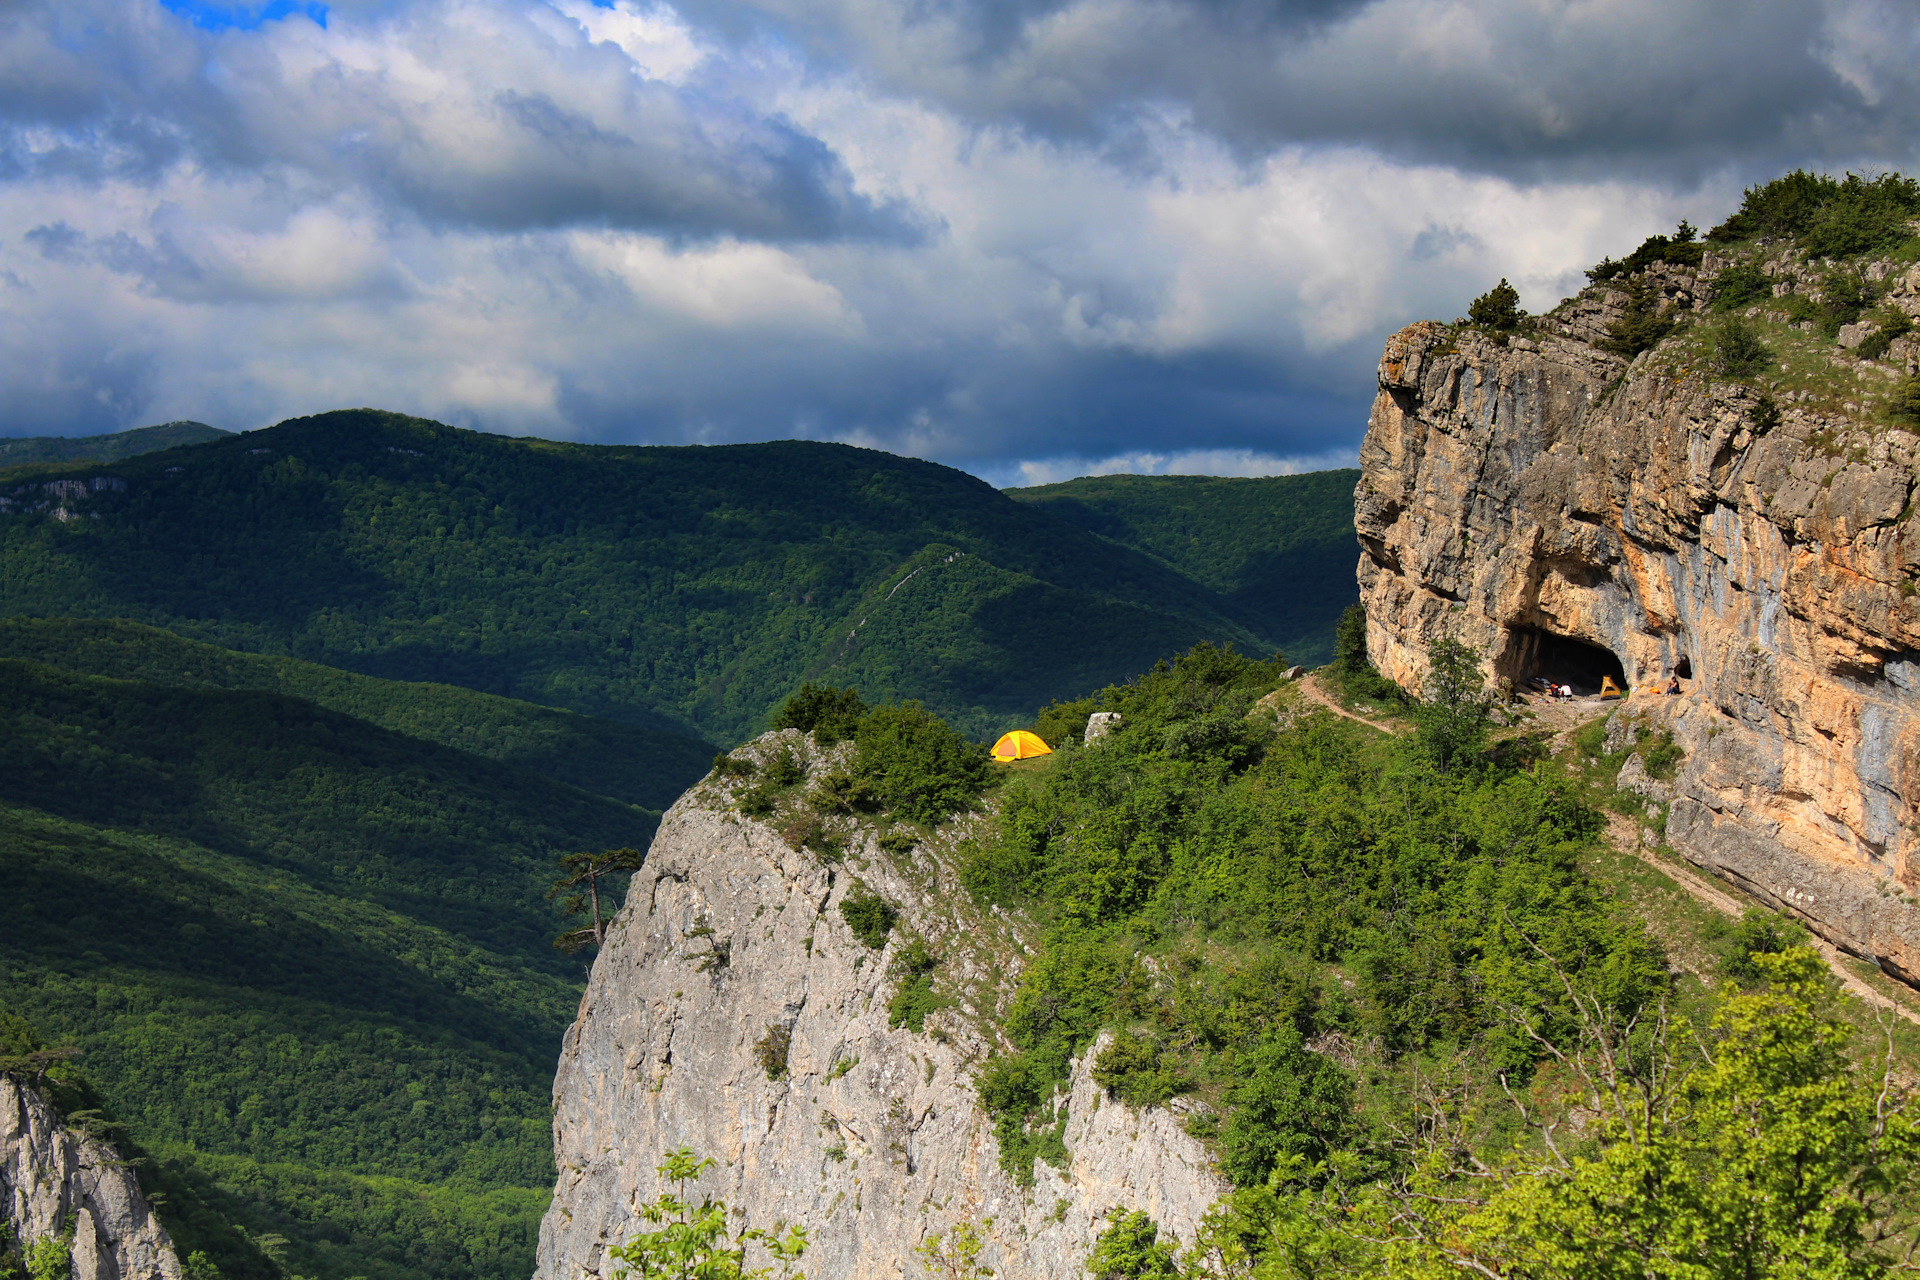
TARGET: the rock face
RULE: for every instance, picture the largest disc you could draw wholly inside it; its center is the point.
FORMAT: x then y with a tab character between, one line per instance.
53	1179
872	1137
1541	496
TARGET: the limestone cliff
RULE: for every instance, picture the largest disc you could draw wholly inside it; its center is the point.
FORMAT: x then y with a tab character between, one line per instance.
871	1137
1536	496
53	1179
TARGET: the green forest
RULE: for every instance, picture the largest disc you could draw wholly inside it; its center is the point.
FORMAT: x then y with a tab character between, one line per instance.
22	451
1279	549
306	959
685	590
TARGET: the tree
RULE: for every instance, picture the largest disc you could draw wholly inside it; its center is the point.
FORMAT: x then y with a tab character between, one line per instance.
1760	1153
1454	716
692	1243
1498	308
955	1254
916	765
589	869
830	715
1130	1249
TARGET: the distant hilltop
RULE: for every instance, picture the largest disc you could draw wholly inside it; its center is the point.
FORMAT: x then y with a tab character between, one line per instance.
39	450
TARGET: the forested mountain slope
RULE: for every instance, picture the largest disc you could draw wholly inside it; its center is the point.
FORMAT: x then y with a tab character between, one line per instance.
666	587
647	767
28	450
306	958
1279	549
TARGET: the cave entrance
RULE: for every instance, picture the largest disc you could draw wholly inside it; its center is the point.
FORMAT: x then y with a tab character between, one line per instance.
1564	660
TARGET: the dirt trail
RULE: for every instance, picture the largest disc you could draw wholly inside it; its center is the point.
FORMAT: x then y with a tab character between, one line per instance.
1310	685
1624	835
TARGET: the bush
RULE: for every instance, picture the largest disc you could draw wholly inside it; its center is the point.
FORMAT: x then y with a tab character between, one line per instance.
1663	756
1680	248
771	1051
1830	218
785	768
1288	1102
1133	1070
830	715
1737	349
913	999
728	766
1740	284
1642	325
869	916
1498	308
915	765
1905	405
1130	1249
1756	933
1894	324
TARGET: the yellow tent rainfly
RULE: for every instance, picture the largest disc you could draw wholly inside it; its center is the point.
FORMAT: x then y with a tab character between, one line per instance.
1020	745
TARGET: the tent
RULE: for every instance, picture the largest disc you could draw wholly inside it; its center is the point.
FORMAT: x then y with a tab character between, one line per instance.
1020	745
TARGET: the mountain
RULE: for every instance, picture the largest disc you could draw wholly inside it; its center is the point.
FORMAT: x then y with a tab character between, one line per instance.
685	589
306	959
645	767
1278	549
34	450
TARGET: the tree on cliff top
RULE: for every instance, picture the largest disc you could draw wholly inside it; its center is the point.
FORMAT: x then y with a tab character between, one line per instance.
590	869
1498	308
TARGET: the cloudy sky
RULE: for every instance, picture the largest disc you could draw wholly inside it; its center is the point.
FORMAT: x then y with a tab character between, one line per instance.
1031	238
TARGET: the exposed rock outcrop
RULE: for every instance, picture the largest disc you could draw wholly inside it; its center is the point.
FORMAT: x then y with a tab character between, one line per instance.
1528	494
53	1180
871	1136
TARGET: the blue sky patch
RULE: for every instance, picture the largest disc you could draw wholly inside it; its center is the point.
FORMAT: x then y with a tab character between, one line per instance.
245	17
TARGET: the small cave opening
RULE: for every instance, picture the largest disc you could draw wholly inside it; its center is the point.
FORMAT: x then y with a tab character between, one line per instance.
1563	660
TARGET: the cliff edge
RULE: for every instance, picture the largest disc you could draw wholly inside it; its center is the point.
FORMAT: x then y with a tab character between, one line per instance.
733	1011
1568	512
54	1180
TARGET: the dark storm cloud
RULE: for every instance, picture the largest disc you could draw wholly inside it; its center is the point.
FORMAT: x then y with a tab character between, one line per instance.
1517	87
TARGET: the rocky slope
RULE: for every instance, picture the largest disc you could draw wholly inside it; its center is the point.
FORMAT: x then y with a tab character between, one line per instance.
1758	537
872	1137
53	1179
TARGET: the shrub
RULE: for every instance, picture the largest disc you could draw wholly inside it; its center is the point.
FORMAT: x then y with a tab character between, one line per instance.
757	801
785	768
1498	308
1663	756
1830	218
1756	933
1905	405
1894	324
916	765
869	916
771	1051
830	715
1288	1102
728	766
1740	284
1065	721
1133	1070
913	999
1130	1249
1680	248
1642	325
1737	349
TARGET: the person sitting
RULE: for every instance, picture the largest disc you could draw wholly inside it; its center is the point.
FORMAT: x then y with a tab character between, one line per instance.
1673	685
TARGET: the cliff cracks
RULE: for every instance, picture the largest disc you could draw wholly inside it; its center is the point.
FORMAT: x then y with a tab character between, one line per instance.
1567	512
730	941
54	1181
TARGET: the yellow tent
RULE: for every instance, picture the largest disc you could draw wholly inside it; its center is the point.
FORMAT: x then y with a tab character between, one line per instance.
1020	745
